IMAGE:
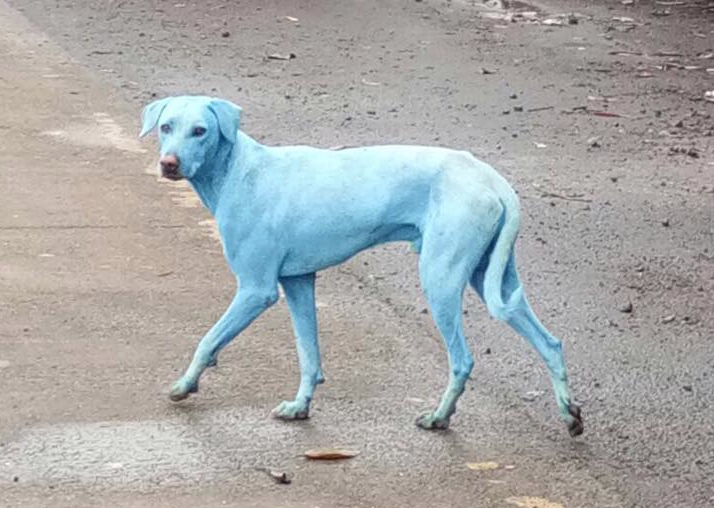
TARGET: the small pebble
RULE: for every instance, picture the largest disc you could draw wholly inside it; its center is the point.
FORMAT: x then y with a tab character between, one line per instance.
627	308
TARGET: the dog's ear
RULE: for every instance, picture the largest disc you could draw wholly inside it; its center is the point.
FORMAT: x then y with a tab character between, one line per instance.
151	114
228	115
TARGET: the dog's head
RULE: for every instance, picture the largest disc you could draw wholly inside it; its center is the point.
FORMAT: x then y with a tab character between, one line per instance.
191	130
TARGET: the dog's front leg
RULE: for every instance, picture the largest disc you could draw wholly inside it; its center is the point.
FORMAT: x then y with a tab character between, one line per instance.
247	305
300	295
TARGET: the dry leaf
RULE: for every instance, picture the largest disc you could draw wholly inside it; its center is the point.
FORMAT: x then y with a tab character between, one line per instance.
533	502
331	454
482	466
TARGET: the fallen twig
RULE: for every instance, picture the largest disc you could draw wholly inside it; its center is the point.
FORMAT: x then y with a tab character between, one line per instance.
606	114
544	108
566	198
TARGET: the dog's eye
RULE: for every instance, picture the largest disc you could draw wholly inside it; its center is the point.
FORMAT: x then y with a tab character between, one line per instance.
199	131
165	128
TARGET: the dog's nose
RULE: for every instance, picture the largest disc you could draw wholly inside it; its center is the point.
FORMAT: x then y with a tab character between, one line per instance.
170	167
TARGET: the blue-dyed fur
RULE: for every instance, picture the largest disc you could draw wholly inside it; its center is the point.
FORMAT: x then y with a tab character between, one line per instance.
285	213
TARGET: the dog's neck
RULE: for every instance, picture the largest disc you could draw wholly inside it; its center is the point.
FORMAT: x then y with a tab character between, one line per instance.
209	183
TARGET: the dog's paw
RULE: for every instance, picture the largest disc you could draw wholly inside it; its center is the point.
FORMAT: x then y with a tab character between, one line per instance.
181	390
291	410
575	425
431	421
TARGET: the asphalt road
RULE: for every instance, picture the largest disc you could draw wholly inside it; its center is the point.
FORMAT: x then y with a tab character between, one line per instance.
109	277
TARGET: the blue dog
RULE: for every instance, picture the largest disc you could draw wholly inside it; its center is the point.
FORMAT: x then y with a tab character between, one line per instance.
284	213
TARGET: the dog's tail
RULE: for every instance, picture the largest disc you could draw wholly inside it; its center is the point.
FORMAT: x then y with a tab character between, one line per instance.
499	293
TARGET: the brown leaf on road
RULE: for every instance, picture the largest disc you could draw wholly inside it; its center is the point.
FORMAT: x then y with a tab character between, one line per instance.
331	454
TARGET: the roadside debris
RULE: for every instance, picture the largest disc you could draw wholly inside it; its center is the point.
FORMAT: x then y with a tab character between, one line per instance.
571	197
281	477
515	12
627	308
279	56
623	24
624	52
601	98
532	395
487	71
561	20
370	83
533	502
667	53
542	108
691	151
668	319
331	454
709	96
594	142
606	114
482	466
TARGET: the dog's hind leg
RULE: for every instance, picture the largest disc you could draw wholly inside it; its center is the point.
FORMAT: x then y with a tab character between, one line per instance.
248	304
452	246
300	295
519	315
445	305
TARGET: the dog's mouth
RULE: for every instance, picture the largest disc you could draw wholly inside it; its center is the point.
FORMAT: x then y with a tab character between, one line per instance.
171	174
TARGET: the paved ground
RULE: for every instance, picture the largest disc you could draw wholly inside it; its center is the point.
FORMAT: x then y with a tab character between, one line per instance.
110	277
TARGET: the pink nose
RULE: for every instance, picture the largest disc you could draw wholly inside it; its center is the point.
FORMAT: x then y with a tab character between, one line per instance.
170	167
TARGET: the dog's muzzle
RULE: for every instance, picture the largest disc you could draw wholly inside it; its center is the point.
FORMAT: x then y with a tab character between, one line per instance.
170	167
